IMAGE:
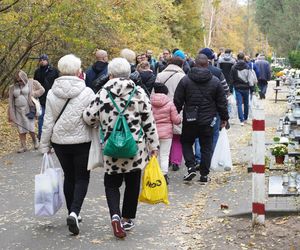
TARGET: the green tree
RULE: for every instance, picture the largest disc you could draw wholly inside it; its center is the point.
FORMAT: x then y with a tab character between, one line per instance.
280	21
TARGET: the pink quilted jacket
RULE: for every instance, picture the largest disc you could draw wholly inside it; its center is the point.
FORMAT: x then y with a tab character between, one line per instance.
165	115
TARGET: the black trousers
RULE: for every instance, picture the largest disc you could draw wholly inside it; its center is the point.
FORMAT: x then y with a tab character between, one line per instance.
73	159
205	135
112	184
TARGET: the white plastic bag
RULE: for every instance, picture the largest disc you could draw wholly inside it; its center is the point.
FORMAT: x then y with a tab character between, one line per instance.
48	196
221	159
96	153
232	108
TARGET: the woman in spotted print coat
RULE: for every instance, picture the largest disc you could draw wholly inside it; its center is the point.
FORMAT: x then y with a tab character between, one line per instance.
138	115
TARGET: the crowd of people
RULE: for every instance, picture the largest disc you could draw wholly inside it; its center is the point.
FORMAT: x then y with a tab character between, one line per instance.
170	104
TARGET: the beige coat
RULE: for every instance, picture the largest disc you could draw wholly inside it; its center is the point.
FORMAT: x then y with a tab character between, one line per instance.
171	76
20	102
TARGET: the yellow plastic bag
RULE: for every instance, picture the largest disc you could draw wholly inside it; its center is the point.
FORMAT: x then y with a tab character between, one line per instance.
154	186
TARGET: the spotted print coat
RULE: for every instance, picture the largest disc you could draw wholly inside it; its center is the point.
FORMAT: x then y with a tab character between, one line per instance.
138	114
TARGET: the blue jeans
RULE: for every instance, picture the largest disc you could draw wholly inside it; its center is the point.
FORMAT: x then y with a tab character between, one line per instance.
242	96
215	139
40	122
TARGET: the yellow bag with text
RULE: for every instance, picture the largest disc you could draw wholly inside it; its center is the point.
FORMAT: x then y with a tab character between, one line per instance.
154	186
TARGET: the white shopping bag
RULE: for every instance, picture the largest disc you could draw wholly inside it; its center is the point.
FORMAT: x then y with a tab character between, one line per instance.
232	108
221	159
48	196
253	103
96	153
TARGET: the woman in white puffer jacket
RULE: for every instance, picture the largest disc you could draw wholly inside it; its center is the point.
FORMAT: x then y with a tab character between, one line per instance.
70	136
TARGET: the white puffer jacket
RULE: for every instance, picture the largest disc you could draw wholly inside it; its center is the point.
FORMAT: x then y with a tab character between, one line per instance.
70	127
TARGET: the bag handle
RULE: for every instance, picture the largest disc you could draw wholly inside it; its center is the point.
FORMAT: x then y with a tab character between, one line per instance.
127	103
47	162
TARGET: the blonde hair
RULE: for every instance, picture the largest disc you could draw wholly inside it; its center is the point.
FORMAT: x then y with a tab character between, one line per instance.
142	66
129	55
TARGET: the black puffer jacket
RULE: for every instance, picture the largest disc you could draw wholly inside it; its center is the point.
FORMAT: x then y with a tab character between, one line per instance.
200	88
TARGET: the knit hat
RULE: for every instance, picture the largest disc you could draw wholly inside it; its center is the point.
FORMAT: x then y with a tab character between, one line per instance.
44	57
180	54
207	51
160	88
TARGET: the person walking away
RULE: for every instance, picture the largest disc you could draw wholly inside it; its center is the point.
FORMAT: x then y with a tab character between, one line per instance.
163	63
201	96
219	74
264	75
239	75
97	70
252	66
70	136
135	76
19	105
165	115
147	76
141	122
225	63
171	76
45	74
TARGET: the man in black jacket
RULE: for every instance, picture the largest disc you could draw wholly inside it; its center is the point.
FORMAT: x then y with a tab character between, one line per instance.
45	74
201	96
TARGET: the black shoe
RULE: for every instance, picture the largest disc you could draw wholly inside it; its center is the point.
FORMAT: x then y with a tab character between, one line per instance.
175	167
72	222
197	166
204	179
190	174
166	178
128	225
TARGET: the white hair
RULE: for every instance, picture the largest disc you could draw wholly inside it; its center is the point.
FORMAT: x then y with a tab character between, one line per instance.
69	65
119	68
129	55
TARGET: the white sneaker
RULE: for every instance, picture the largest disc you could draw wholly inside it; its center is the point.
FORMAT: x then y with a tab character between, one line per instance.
72	222
242	124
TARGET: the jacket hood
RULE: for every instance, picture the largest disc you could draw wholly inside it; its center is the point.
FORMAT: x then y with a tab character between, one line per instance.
200	75
227	57
159	100
119	86
99	66
68	86
240	65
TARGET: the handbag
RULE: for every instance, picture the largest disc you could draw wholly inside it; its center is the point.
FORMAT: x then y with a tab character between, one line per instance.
96	153
48	189
32	113
191	114
37	105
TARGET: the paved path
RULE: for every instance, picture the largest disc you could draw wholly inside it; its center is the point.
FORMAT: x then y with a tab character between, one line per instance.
20	229
157	226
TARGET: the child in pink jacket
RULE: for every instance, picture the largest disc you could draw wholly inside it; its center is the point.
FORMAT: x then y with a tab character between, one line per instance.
165	115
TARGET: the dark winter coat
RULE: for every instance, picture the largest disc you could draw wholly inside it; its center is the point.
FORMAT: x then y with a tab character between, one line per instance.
225	63
96	70
218	73
45	75
202	90
237	82
148	79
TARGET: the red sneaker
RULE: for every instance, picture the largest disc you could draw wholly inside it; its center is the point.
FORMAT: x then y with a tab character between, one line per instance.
118	229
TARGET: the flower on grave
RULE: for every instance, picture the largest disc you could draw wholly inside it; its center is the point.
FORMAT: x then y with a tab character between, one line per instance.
279	149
